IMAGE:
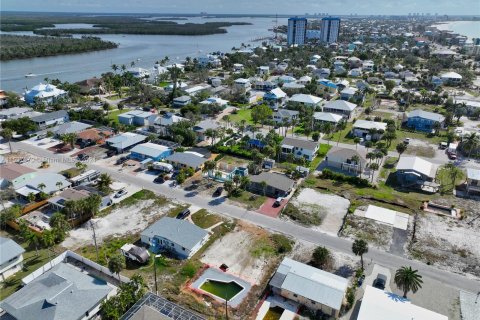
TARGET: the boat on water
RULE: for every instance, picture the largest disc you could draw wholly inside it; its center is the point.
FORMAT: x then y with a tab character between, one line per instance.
30	75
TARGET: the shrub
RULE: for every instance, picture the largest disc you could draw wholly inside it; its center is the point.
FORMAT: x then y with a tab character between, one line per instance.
311	218
356	181
282	243
234	151
189	270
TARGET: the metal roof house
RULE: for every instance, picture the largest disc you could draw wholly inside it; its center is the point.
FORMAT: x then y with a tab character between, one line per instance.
341	107
45	93
423	120
150	150
306	100
11	258
52	118
369	129
125	141
14	174
186	160
379	305
277	185
473	181
136	118
327	117
47	182
309	286
416	172
300	148
177	236
63	292
70	127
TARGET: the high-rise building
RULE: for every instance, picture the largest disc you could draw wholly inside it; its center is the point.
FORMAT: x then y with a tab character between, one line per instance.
297	29
330	29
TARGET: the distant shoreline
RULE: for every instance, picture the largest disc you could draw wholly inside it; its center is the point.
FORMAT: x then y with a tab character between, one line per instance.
456	27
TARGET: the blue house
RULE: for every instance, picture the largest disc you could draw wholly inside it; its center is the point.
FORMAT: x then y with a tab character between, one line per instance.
150	150
423	120
135	118
275	97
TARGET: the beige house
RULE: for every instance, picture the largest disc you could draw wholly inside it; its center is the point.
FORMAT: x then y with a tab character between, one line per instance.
309	286
346	160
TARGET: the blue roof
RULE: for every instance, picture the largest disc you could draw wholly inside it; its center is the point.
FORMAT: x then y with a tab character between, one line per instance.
297	19
328	83
256	143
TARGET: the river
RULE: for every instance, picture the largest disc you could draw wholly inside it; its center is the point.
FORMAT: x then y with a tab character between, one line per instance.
147	48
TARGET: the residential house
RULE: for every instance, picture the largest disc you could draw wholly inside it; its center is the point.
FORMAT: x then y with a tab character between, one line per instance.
186	160
473	181
472	104
90	86
369	130
286	79
15	112
293	87
379	304
304	80
209	60
46	182
162	122
11	258
242	85
139	73
13	174
57	202
150	150
368	66
354	62
70	127
346	160
176	236
344	108
355	73
238	67
263	71
136	118
44	93
67	287
201	128
285	115
274	97
276	184
125	141
349	93
49	119
215	100
326	87
421	120
322	73
451	78
194	90
327	117
374	80
309	286
415	171
181	101
299	148
306	100
93	135
264	85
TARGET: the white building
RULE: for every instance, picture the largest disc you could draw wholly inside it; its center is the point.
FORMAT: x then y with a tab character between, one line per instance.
300	148
242	85
364	129
11	258
306	100
44	93
451	78
297	30
330	29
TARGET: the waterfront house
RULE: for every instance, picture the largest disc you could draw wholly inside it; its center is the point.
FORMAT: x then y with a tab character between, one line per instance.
49	119
150	150
309	286
421	120
181	101
11	258
379	304
415	171
135	118
276	184
300	148
346	160
44	93
176	236
473	181
344	108
125	141
305	100
186	159
369	130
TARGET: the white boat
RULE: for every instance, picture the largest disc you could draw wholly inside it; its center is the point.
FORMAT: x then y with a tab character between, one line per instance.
30	75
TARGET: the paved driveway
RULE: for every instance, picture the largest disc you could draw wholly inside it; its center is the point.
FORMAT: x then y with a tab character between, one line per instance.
268	209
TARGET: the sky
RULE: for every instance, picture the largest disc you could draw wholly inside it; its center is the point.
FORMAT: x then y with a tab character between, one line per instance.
335	7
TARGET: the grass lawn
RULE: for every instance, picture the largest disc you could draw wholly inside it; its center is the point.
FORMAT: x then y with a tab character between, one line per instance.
134	198
402	134
343	135
445	179
31	262
163	84
242	114
321	153
205	219
253	201
71	172
113	97
113	115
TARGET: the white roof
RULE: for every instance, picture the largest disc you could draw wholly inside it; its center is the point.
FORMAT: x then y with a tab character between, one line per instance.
305	98
365	124
450	75
473	174
417	164
349	90
278	92
380	305
393	218
340	105
242	80
327	116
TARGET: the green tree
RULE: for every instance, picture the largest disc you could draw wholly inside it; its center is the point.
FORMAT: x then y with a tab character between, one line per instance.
116	264
374	167
7	134
208	167
471	142
401	148
321	257
356	140
32	239
359	248
389	85
104	182
229	187
315	136
407	280
261	113
69	138
48	238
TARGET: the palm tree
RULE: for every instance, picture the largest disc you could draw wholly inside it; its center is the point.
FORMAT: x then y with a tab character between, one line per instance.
104	182
114	68
472	141
59	222
7	134
32	239
48	238
401	148
356	140
116	264
374	167
407	280
69	138
80	166
175	73
327	129
359	248
208	166
264	185
41	186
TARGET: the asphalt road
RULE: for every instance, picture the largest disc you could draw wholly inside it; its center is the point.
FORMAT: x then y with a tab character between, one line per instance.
220	205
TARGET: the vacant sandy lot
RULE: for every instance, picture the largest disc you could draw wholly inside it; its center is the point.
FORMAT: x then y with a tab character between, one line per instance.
234	249
121	221
332	207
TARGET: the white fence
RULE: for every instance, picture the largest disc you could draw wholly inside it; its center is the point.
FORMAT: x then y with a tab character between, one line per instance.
69	254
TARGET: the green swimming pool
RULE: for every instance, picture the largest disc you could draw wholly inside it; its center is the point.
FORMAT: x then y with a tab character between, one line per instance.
221	289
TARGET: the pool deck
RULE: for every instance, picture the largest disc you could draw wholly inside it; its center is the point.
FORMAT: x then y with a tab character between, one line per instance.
215	274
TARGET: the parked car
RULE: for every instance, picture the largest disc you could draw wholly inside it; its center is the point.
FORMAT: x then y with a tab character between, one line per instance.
182	215
380	281
83	157
406	140
360	280
121	160
120	193
218	192
278	202
452	155
135	253
160	179
443	145
111	153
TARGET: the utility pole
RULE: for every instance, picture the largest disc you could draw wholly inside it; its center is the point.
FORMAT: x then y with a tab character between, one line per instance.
155	271
94	238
